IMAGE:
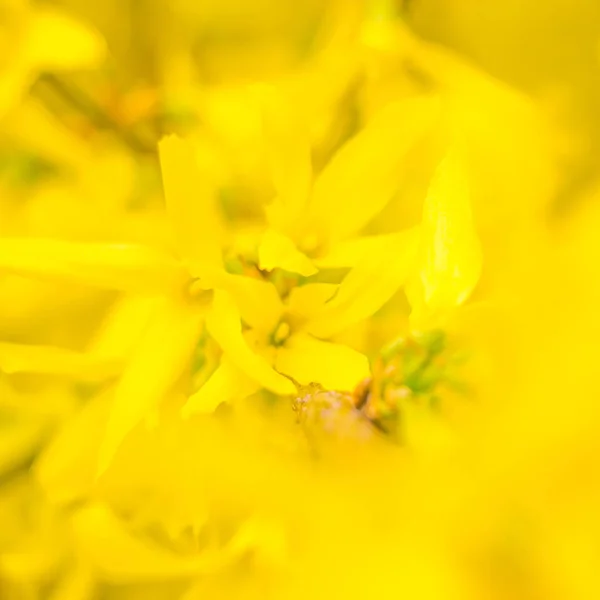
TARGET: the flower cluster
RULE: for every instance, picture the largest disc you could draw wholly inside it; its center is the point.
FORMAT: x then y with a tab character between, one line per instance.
303	331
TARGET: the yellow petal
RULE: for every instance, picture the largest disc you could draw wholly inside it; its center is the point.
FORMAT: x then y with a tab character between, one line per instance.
349	253
266	537
257	301
78	583
451	257
119	556
369	285
288	149
279	251
334	366
24	358
226	384
15	80
66	475
160	359
224	324
307	300
191	205
126	267
365	173
20	439
57	41
36	128
125	324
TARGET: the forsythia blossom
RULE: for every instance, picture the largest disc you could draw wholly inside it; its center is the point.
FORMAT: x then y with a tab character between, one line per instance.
287	310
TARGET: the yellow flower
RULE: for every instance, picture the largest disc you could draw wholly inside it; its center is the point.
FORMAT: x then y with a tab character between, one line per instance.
167	343
314	221
39	39
282	333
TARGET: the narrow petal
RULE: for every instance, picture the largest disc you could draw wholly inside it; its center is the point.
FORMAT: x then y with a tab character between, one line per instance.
226	384
16	78
369	285
160	359
121	557
257	301
224	324
364	175
79	583
451	256
125	324
288	149
66	475
279	251
191	205
59	42
334	366
35	127
20	440
51	360
125	267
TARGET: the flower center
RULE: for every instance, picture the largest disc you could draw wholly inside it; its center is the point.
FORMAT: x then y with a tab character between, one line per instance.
281	334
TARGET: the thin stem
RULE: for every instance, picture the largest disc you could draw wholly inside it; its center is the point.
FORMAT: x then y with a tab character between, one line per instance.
100	118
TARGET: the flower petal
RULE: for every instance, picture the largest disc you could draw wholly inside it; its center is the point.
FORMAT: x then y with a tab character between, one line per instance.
121	557
451	256
50	360
159	361
257	301
20	440
66	475
126	267
306	300
364	174
58	42
288	149
334	366
349	253
224	324
191	206
279	251
226	384
125	324
369	285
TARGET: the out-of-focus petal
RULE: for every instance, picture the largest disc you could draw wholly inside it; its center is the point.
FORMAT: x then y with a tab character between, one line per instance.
120	557
124	326
451	256
59	42
334	366
257	301
227	383
14	82
224	324
364	175
127	267
79	583
20	439
160	359
349	253
288	149
191	206
35	127
67	475
279	251
25	358
369	285
306	300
